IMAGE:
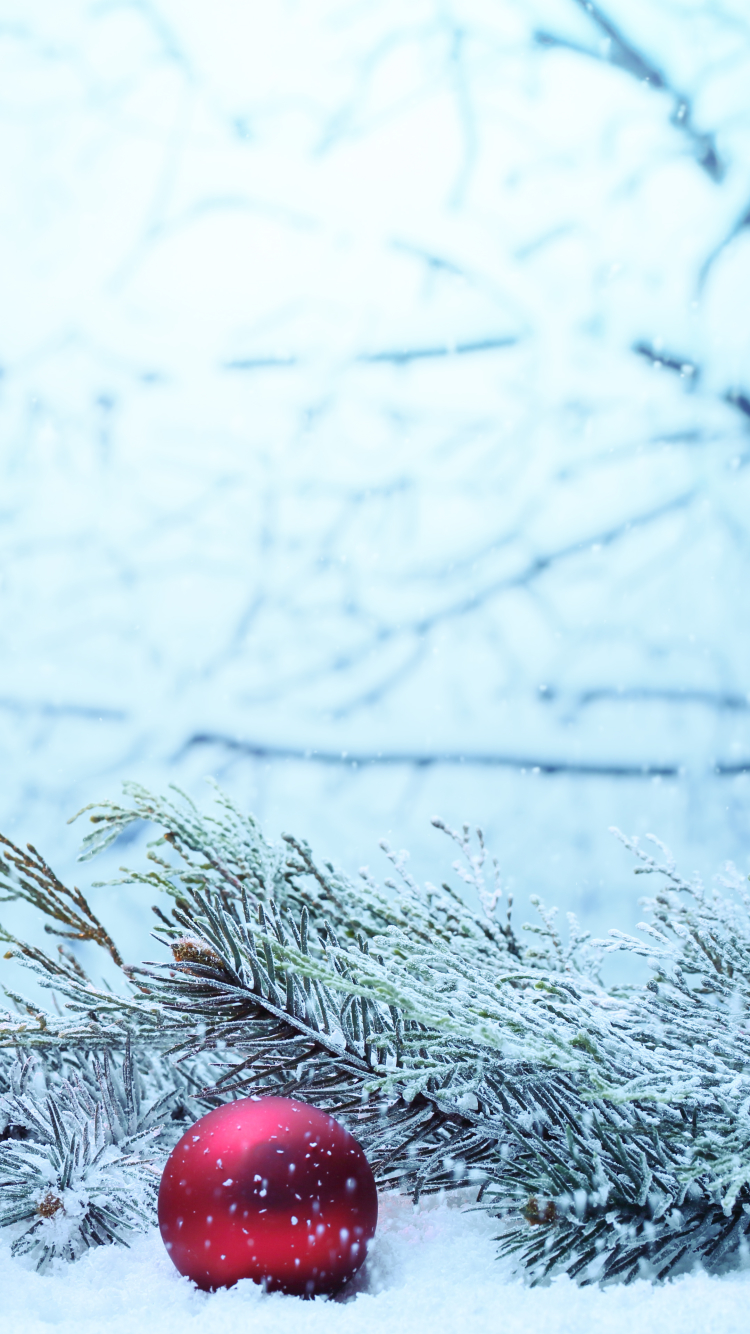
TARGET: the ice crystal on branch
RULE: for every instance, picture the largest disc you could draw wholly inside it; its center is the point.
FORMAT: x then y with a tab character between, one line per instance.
607	1130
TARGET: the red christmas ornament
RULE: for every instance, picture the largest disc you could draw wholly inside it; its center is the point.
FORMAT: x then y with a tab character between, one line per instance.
268	1189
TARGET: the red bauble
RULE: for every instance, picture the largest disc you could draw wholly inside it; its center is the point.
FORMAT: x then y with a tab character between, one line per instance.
268	1189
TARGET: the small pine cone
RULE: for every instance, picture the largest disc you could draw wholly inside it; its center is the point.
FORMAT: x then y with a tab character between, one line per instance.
537	1213
189	950
49	1206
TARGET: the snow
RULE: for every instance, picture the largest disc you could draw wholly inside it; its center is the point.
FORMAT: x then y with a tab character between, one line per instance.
430	1272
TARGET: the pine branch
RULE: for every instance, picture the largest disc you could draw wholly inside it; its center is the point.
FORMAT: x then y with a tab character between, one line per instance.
608	1131
26	875
77	1172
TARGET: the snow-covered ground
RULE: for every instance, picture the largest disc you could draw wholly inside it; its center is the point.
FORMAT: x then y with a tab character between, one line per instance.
433	1272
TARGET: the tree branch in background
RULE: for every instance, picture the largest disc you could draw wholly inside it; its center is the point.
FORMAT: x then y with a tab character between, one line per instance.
617	50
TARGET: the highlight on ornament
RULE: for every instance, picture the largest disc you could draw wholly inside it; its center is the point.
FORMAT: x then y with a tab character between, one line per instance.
268	1189
304	1036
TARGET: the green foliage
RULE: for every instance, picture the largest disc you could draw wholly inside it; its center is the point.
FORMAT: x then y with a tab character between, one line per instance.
608	1131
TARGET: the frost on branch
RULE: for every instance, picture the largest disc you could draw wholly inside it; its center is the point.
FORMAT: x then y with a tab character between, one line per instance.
76	1167
607	1130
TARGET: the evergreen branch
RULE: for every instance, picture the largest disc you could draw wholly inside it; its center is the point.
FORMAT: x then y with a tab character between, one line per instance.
607	1130
26	875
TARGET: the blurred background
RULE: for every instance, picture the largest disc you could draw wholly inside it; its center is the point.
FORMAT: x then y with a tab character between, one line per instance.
374	425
